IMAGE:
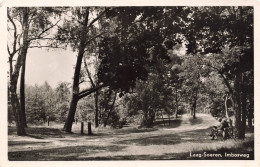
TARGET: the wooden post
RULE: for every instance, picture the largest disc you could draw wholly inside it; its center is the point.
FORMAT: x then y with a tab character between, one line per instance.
82	128
89	128
48	120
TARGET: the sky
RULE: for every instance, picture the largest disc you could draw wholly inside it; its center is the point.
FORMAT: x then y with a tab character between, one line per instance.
52	66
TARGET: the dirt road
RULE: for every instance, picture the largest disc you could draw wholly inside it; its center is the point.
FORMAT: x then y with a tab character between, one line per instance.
184	135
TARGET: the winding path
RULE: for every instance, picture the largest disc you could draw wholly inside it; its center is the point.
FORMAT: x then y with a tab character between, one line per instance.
190	134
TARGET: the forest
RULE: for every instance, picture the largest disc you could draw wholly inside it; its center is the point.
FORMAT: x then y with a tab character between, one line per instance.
145	67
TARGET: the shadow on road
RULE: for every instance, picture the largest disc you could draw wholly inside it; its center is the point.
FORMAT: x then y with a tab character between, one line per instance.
168	124
61	154
169	139
195	121
38	132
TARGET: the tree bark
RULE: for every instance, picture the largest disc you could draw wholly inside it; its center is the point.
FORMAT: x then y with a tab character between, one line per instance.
162	118
250	112
243	107
14	75
22	94
194	109
176	100
75	87
96	109
169	119
71	114
226	108
16	108
111	108
237	107
96	93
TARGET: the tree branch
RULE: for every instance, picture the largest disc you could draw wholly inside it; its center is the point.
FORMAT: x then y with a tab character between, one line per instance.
99	35
9	51
89	75
45	46
224	78
47	29
86	92
98	17
15	33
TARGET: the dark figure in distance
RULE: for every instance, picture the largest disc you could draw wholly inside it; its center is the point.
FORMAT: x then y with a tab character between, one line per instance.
221	128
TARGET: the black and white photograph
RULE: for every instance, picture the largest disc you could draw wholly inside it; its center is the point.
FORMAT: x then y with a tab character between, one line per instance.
130	83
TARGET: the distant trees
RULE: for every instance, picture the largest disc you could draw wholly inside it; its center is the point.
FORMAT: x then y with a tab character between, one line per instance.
43	102
40	103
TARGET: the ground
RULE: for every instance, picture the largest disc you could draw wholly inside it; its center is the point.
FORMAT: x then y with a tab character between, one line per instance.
182	139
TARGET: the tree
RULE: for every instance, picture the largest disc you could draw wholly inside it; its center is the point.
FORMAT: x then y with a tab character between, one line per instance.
224	35
14	73
124	37
62	100
27	26
85	26
94	83
191	74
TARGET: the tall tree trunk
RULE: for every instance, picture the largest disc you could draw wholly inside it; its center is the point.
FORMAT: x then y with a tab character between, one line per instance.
96	93
226	108
96	109
75	87
243	107
162	118
237	107
111	109
191	109
71	114
16	108
22	94
169	119
14	75
194	109
250	112
177	108
176	100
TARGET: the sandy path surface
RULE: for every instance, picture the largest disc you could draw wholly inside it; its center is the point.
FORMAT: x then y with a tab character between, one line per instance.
158	142
185	125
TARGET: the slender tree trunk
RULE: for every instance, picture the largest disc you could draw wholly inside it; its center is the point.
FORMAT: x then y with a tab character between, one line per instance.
96	109
75	87
100	114
243	107
226	108
191	109
194	109
176	100
14	75
177	109
237	107
162	118
250	113
72	111
152	118
169	119
237	122
16	108
96	93
22	94
111	109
